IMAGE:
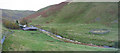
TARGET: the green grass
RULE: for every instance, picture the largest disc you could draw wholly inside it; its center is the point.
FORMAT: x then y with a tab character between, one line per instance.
81	17
37	41
80	32
74	21
80	12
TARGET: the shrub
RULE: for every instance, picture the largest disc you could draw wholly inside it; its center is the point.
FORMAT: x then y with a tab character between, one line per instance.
10	25
24	22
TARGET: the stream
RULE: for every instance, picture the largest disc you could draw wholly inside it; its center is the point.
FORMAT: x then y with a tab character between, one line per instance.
4	36
69	40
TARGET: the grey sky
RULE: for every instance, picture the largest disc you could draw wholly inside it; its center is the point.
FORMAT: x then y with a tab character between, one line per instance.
27	4
38	4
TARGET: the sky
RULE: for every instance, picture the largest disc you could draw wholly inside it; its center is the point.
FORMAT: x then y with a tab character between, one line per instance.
27	4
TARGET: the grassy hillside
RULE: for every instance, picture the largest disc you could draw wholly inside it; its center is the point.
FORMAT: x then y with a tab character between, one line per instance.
15	14
69	20
76	19
11	15
37	41
104	13
47	11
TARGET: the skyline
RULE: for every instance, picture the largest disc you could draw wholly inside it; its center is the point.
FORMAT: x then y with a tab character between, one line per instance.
27	4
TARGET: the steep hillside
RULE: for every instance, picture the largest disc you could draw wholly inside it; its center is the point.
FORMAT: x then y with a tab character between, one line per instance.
47	11
15	14
75	20
104	13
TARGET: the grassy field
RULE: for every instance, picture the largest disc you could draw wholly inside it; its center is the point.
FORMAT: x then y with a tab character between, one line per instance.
73	21
37	41
80	32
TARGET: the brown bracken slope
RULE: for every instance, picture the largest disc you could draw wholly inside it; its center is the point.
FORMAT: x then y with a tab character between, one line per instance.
48	11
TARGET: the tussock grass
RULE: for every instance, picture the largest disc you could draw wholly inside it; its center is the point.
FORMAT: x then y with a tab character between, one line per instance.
36	41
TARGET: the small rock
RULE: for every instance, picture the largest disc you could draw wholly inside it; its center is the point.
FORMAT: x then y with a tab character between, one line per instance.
58	36
71	40
79	42
68	39
76	41
63	38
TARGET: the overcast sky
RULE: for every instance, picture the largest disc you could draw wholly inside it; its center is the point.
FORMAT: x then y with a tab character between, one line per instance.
27	4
